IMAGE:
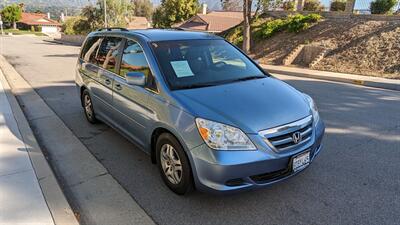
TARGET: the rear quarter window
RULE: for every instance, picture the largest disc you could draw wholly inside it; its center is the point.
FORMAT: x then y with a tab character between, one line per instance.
89	49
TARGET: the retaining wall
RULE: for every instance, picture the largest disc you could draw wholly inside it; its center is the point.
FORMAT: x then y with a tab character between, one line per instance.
73	39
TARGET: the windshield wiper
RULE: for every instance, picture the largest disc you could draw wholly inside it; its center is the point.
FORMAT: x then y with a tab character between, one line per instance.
190	86
196	86
248	78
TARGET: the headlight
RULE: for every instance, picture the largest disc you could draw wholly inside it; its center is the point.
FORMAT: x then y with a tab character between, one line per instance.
313	107
219	136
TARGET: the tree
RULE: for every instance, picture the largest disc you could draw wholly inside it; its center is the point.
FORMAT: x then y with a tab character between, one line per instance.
174	11
266	5
338	5
119	12
246	24
382	6
143	8
289	5
231	5
91	19
12	14
313	6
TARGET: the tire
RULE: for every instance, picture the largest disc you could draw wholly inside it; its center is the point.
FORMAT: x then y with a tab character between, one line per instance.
88	107
170	152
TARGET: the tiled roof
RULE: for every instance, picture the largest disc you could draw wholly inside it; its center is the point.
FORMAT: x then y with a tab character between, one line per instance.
37	19
138	22
215	21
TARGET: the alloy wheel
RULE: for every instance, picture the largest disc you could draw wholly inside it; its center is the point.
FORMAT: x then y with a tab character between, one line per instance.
88	106
171	164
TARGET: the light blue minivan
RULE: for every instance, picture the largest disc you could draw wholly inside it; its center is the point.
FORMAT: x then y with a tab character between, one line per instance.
207	114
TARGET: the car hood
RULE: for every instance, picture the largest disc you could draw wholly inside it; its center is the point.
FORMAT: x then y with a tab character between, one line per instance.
251	105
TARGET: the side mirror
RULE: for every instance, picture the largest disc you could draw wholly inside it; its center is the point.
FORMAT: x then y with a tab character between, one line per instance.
135	78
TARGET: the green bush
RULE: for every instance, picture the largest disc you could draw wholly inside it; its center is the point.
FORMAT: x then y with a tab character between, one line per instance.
313	6
68	26
271	27
299	22
235	36
338	5
293	23
382	6
288	5
76	25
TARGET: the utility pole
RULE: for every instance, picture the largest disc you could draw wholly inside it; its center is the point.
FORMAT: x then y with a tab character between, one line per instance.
1	37
1	25
105	13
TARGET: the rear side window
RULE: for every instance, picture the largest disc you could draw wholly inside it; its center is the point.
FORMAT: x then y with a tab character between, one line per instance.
90	48
108	52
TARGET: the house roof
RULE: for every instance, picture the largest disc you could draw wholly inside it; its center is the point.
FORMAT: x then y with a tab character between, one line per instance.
37	19
138	22
215	21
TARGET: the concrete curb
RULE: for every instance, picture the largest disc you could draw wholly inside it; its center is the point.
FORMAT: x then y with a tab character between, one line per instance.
55	198
61	42
95	195
375	82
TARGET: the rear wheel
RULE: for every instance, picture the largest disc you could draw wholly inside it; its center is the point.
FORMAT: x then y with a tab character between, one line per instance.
88	107
173	164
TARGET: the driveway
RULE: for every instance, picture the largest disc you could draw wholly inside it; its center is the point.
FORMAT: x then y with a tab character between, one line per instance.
355	179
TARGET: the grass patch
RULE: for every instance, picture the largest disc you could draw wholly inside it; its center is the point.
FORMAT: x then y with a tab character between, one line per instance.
266	28
292	23
22	32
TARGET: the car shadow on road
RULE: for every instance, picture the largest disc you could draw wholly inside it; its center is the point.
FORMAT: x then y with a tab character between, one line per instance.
63	55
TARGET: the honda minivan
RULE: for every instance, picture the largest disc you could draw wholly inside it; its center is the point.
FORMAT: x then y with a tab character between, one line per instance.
208	115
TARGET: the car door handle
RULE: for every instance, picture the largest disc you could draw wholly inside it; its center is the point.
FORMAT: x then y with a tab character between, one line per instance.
118	87
107	81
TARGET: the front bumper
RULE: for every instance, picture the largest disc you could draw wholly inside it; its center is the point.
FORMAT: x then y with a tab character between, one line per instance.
231	171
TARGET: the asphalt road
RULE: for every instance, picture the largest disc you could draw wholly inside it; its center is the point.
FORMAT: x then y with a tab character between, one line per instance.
355	179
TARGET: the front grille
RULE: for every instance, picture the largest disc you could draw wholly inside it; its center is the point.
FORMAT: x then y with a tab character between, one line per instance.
282	138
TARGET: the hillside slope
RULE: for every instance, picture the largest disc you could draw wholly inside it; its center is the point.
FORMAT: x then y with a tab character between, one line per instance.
356	46
377	54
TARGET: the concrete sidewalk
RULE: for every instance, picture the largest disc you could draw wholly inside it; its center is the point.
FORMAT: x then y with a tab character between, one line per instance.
369	81
29	191
21	199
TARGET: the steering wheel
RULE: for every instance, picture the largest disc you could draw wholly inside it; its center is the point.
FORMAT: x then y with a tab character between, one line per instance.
220	65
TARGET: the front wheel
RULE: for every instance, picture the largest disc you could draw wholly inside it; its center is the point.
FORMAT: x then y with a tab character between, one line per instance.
173	164
88	107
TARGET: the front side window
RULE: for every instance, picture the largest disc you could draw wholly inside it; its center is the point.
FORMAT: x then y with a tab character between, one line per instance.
134	60
199	63
108	52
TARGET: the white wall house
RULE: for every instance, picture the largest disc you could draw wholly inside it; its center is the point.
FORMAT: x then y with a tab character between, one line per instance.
39	22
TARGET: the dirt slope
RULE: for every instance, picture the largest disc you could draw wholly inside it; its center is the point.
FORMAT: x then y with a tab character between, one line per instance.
356	46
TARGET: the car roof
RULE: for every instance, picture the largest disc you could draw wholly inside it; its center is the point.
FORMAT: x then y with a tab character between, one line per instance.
167	35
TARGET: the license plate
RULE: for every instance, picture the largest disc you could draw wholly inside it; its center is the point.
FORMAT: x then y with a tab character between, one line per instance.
301	161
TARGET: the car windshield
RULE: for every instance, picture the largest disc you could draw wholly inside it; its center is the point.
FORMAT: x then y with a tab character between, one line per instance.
199	63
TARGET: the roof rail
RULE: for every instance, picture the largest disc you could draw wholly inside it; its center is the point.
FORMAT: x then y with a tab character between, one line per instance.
112	28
